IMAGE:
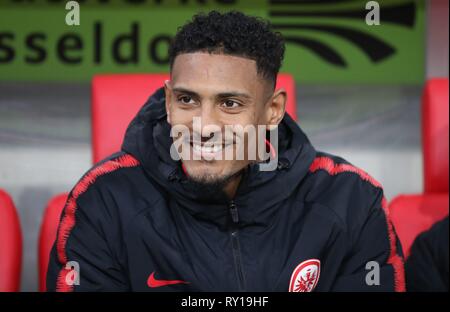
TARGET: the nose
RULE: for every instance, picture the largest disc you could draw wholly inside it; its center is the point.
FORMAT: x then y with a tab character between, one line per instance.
210	121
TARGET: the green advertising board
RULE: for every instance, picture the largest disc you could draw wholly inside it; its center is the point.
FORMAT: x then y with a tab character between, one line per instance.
327	41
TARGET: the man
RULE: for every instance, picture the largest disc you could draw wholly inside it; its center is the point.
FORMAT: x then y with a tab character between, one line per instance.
427	266
143	220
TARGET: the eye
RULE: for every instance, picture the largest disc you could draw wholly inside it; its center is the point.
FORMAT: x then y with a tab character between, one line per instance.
230	104
185	99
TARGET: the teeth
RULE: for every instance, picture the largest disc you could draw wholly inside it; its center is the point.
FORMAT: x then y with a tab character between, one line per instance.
207	149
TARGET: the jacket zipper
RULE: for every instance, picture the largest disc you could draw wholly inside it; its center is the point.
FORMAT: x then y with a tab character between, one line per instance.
235	246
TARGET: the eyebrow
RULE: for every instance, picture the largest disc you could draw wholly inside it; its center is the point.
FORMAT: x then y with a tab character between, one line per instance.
219	95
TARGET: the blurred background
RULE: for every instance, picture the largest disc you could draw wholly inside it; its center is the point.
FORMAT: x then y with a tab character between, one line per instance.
359	83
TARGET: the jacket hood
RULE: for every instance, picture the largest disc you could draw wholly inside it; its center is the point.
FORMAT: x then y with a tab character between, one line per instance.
259	193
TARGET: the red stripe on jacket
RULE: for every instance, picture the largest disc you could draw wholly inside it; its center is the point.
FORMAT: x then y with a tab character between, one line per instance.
327	164
68	220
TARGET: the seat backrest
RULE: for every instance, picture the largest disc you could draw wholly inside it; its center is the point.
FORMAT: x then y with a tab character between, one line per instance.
47	235
10	245
435	110
116	99
414	214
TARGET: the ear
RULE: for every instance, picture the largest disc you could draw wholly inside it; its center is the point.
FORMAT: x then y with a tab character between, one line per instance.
276	108
168	94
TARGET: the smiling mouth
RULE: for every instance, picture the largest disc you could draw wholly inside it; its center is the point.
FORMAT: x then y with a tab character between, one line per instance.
208	148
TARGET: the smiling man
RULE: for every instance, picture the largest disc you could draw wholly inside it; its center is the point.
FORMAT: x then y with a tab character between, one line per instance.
145	220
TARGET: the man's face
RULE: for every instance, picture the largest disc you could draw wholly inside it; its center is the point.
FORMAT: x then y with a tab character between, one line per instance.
221	90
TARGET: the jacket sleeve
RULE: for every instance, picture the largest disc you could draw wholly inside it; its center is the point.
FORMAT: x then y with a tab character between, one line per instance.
84	256
375	259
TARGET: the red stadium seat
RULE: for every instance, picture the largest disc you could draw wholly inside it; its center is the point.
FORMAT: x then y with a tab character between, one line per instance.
435	110
47	235
10	245
116	99
414	214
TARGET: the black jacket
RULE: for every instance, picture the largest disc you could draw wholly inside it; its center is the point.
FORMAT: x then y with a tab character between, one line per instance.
134	222
427	266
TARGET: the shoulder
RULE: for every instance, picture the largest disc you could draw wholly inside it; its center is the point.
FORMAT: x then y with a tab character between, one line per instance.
106	173
115	187
346	189
92	210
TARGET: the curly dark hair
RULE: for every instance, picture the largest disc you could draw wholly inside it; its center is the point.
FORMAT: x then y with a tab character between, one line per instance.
232	33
